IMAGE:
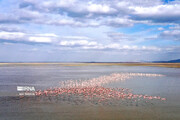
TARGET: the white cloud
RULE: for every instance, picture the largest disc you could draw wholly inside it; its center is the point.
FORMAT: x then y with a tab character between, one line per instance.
12	35
8	18
77	43
177	27
160	13
25	37
160	28
91	25
10	28
40	39
119	13
99	8
48	35
119	22
28	14
117	37
58	3
69	22
170	35
122	48
75	38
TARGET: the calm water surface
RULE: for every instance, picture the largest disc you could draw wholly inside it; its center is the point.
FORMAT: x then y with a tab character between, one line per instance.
47	76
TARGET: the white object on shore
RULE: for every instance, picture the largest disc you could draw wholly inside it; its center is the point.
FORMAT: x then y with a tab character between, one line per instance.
25	88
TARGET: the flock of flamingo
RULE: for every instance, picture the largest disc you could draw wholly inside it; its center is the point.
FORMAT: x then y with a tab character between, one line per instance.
102	80
93	89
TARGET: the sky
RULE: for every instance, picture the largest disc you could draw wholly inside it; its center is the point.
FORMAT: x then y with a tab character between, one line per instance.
89	30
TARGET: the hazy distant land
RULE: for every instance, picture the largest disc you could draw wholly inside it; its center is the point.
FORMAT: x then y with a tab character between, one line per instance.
171	65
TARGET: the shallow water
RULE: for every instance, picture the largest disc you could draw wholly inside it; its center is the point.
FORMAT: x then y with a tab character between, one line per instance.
47	76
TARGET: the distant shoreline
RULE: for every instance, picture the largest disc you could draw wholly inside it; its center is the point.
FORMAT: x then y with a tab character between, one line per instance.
170	65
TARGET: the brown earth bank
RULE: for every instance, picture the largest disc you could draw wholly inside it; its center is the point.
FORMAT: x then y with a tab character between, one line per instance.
171	65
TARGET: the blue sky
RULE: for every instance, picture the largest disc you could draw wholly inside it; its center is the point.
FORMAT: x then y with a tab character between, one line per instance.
91	30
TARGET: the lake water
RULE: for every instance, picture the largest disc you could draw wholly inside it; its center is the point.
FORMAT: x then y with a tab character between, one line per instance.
49	76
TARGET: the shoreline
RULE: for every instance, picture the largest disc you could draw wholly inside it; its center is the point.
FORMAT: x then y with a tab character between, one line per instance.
169	65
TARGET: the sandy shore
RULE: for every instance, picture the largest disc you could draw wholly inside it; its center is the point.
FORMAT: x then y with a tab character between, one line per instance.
171	65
